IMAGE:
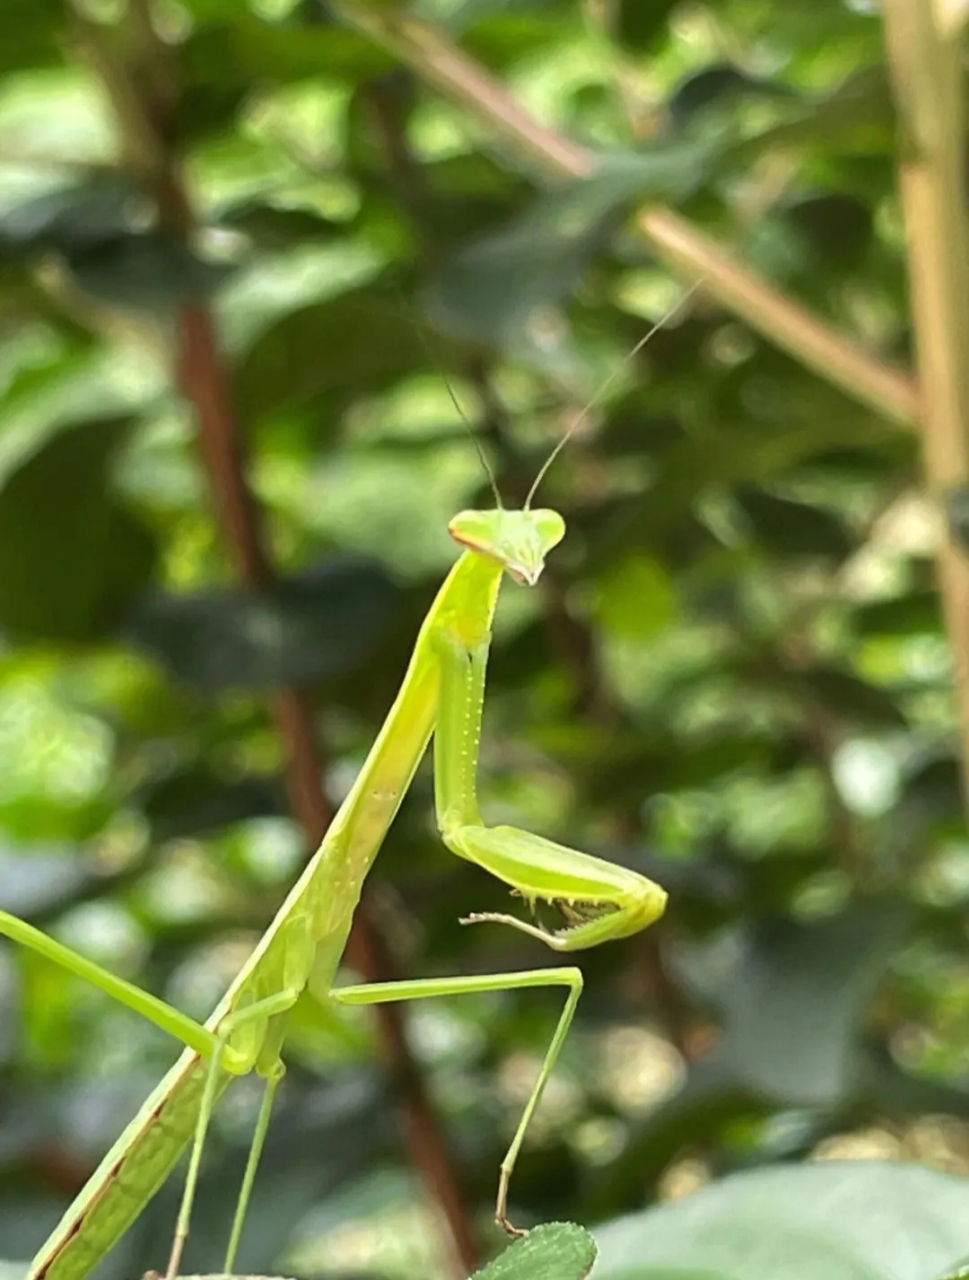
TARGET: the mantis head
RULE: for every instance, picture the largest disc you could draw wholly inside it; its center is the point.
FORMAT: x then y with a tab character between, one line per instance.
518	540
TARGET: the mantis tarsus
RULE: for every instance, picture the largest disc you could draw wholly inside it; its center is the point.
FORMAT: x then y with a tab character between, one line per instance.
443	694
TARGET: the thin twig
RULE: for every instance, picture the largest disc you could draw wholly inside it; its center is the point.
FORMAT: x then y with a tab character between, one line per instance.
927	72
674	240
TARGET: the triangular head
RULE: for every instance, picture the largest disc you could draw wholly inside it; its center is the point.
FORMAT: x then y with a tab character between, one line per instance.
518	540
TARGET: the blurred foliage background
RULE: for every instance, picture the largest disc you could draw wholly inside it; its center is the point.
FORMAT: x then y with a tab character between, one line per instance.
251	240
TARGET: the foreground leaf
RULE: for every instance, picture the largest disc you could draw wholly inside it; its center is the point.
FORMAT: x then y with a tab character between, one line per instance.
853	1220
554	1251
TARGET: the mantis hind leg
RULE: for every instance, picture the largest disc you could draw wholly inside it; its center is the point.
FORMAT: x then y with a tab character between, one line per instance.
252	1164
270	1007
384	992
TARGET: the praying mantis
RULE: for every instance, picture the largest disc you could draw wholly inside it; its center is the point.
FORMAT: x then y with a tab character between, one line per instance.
442	694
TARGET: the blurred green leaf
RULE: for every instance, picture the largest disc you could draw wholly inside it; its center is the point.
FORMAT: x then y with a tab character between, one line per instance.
31	35
849	695
554	1251
193	800
641	24
319	624
722	86
857	1221
358	339
244	50
789	528
856	118
70	557
634	598
70	218
913	614
794	998
32	818
150	272
836	228
494	290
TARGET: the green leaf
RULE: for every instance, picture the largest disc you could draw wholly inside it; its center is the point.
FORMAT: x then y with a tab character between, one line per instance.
41	817
856	119
244	50
322	623
634	597
151	272
224	58
491	290
360	339
792	529
70	557
641	24
71	218
836	228
851	697
853	1221
917	613
30	35
554	1251
794	997
193	800
721	86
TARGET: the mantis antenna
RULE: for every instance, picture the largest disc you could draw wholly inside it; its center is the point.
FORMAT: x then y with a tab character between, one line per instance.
475	441
464	418
543	470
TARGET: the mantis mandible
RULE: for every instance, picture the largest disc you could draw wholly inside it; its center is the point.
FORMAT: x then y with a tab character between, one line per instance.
442	694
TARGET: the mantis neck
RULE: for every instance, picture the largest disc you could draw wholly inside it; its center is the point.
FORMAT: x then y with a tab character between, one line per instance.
462	613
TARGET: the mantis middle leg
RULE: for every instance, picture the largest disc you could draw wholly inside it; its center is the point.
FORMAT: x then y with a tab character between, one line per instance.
419	989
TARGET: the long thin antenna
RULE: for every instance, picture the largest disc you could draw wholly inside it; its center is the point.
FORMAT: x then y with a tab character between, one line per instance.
603	389
474	440
431	355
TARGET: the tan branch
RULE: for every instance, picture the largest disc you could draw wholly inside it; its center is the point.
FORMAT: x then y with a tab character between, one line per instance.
790	326
926	70
681	245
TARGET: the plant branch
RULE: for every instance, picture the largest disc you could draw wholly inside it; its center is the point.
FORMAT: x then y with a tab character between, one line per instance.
926	69
673	239
793	328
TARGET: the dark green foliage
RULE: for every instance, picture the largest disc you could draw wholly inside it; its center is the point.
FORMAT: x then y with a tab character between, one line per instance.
318	624
70	556
491	289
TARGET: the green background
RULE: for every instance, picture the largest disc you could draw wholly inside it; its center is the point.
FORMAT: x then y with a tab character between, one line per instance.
733	679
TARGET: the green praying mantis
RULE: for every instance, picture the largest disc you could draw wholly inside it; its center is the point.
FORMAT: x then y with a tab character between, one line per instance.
442	694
